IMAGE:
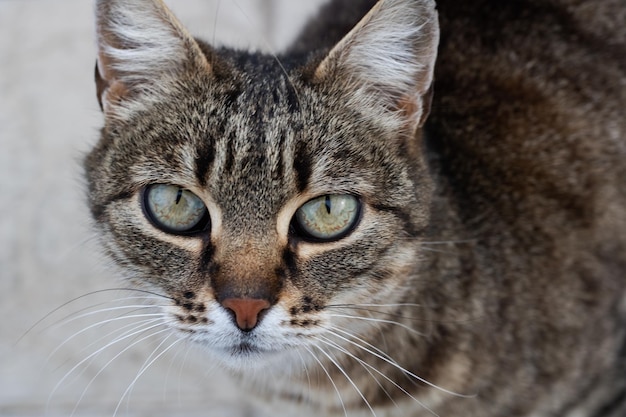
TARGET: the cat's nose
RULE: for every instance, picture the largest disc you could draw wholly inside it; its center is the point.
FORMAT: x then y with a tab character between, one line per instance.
247	311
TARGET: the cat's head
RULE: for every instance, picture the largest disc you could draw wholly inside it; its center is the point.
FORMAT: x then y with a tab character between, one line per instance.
265	201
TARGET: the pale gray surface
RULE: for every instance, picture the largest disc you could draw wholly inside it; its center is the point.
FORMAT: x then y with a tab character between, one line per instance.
48	118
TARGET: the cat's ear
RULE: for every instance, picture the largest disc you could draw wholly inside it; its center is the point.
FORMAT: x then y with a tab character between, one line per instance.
139	43
387	62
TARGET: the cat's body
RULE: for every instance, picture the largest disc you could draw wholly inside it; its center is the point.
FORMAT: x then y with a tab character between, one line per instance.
482	267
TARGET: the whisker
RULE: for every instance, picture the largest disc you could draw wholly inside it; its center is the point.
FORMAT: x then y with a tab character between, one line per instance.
345	374
97	352
439	242
400	316
142	369
72	250
449	242
404	370
168	373
369	308
427	249
101	323
76	316
306	369
132	384
427	245
180	374
110	362
215	21
360	340
330	378
73	300
375	320
365	364
375	305
274	55
121	330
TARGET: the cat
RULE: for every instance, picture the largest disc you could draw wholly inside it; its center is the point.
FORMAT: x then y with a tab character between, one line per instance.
419	209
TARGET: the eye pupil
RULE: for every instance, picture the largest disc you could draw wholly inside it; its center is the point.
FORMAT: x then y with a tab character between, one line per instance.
328	204
179	195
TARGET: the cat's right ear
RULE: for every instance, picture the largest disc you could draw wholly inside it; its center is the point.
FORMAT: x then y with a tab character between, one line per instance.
140	44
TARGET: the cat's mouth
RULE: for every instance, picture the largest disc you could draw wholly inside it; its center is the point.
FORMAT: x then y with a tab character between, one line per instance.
244	353
242	347
245	349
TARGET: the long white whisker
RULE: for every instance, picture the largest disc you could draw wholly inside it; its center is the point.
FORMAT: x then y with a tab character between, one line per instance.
132	384
345	374
360	340
375	320
365	364
428	245
144	367
374	305
330	378
180	374
97	352
89	294
101	323
168	373
215	21
406	371
122	332
75	316
437	242
373	308
306	369
110	361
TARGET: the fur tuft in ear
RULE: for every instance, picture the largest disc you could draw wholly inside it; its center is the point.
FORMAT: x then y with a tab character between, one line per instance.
387	62
139	42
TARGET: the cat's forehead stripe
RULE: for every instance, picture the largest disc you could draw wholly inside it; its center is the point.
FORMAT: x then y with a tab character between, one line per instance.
204	160
302	166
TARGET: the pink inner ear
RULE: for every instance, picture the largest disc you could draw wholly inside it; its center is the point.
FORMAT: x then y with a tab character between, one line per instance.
417	108
408	105
106	86
102	85
109	90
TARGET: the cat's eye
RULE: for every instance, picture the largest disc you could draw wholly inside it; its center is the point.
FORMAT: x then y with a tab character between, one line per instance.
175	210
328	218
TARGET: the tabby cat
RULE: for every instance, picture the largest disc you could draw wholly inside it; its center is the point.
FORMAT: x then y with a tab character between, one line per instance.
418	210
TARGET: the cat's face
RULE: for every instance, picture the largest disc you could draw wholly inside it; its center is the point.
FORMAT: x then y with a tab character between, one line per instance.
266	206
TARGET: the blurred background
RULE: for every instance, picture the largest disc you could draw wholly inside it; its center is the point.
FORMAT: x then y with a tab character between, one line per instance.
55	359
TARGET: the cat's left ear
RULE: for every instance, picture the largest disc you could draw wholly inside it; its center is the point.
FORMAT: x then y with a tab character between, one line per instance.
386	62
140	43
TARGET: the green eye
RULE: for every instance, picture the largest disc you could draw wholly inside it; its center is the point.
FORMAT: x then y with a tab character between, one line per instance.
328	217
175	210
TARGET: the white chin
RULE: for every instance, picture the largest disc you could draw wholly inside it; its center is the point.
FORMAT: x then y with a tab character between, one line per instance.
246	356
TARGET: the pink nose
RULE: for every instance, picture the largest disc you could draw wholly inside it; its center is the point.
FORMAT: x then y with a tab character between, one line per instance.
247	311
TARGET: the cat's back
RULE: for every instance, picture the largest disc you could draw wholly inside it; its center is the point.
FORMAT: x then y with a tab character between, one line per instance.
528	136
529	108
567	48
